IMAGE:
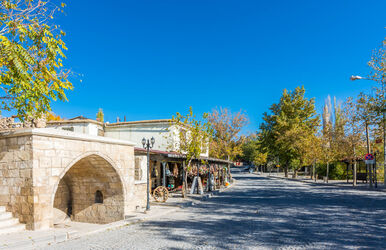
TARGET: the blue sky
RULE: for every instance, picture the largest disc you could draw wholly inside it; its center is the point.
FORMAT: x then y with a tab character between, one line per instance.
150	59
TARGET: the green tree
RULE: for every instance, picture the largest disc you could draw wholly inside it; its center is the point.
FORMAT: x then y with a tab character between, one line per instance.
251	151
31	54
289	129
193	137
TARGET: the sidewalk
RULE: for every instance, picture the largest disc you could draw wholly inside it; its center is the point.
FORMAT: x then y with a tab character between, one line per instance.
72	230
340	183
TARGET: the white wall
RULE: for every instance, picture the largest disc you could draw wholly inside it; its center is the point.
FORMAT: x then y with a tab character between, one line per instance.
135	132
165	135
83	128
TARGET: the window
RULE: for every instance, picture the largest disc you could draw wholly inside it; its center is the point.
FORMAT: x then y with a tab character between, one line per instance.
138	169
68	129
98	196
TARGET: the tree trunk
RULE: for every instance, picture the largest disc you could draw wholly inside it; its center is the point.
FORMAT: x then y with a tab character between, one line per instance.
295	175
347	169
368	167
285	171
184	179
313	171
328	168
371	174
367	138
354	170
354	174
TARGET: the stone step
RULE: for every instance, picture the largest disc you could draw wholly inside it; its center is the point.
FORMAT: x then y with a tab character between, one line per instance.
12	229
2	209
5	215
8	222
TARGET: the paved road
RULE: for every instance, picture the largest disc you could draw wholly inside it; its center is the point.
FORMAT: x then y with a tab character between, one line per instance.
260	213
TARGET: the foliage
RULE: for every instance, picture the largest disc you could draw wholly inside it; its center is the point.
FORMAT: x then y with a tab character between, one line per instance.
354	146
226	143
51	116
337	170
100	115
288	132
194	135
251	151
31	54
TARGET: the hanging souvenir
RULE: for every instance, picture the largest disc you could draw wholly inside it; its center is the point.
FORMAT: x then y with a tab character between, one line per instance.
175	170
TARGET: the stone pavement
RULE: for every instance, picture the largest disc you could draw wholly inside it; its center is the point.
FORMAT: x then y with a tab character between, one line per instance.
73	230
259	213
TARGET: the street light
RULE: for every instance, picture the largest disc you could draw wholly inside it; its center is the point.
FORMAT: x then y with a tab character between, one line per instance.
148	145
353	78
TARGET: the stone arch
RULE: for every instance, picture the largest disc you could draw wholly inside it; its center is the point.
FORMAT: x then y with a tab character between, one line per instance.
74	194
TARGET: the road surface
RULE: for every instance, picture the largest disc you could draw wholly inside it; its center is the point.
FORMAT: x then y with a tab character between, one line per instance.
259	213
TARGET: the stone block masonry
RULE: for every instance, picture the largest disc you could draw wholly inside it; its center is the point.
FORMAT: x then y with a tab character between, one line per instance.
88	178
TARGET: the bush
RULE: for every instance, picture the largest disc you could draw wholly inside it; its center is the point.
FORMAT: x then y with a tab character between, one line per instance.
337	170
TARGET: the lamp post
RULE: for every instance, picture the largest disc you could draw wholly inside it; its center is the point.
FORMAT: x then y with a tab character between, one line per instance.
353	78
148	145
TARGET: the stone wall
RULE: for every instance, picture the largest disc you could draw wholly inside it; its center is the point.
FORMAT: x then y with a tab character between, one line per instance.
140	194
16	191
77	190
36	163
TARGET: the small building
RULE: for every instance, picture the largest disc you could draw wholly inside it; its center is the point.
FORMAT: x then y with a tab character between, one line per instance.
79	124
165	133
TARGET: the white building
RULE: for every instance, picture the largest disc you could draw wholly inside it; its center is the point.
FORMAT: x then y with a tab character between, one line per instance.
79	124
165	133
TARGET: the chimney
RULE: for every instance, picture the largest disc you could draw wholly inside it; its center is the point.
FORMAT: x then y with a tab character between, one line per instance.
124	118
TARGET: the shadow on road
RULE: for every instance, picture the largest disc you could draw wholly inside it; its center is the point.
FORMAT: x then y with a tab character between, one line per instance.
276	213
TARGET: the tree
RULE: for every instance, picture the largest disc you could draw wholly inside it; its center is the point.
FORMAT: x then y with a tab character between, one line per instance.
193	138
51	116
289	129
100	115
251	151
378	74
227	142
31	54
328	154
354	145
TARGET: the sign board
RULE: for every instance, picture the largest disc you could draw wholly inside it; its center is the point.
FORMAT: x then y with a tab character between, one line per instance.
369	159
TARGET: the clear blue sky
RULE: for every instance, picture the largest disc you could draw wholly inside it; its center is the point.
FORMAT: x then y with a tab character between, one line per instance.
150	59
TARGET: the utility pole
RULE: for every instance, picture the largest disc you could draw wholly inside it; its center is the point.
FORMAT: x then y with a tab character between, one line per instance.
368	166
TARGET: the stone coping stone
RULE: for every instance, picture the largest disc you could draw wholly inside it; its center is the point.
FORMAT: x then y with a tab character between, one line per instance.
57	133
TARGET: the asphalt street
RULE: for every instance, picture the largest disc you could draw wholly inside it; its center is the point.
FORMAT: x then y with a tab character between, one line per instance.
259	213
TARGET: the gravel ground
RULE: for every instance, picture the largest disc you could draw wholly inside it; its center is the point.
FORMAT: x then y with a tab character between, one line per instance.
259	213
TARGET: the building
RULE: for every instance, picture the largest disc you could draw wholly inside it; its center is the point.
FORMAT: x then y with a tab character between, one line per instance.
165	133
79	124
89	171
48	174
